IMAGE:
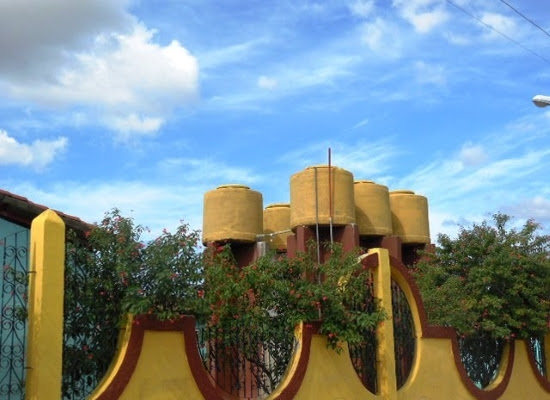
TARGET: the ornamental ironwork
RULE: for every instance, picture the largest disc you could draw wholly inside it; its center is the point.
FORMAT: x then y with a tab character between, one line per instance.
245	363
363	355
536	345
13	324
481	356
404	338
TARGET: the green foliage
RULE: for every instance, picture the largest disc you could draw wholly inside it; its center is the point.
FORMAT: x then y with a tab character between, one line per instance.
111	273
274	294
492	283
490	279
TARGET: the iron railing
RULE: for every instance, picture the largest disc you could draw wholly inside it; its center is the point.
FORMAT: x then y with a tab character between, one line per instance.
363	356
481	356
245	363
91	324
537	349
13	324
404	337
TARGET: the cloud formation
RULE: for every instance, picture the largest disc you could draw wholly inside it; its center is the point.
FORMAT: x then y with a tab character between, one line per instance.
102	60
37	155
423	15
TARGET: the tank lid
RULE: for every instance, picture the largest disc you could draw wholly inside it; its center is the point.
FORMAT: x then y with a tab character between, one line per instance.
277	205
322	166
401	191
233	186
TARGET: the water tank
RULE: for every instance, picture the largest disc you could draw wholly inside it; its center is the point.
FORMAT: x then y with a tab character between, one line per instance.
410	217
232	213
277	225
372	209
310	201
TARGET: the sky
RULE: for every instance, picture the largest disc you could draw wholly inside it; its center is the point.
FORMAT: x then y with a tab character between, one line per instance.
146	105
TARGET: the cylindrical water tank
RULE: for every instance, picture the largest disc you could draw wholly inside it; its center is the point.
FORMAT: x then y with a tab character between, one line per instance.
410	217
372	209
310	200
277	225
232	213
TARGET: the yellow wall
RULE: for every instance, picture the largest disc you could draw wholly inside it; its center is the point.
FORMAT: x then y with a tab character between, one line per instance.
162	366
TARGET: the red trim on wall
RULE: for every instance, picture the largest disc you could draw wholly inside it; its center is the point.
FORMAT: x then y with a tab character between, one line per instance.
443	332
206	385
482	394
141	323
128	366
291	389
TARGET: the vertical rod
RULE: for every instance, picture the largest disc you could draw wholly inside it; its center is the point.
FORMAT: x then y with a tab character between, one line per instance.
330	210
317	220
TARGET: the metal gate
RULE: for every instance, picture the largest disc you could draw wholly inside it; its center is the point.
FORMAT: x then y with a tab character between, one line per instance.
14	256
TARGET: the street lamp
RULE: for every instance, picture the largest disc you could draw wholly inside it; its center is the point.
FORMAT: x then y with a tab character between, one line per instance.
541	101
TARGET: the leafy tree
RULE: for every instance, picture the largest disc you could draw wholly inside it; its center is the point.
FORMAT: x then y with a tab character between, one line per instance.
269	297
492	283
113	272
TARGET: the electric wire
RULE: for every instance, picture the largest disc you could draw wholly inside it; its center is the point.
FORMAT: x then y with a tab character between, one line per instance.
525	17
499	32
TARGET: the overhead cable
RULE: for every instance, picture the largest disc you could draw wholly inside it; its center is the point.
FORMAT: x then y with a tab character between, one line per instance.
497	31
525	18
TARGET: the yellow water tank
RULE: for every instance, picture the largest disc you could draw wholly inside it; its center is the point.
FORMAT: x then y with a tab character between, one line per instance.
277	225
310	201
410	217
232	213
372	209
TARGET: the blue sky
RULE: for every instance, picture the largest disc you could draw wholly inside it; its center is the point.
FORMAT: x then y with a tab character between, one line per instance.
146	105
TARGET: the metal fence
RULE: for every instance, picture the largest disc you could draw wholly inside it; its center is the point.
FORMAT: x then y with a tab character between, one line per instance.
245	363
13	323
481	356
537	348
363	356
403	334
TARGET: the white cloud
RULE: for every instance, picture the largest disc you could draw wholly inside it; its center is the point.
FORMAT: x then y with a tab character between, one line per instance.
457	39
430	74
365	159
111	74
424	15
222	56
155	206
383	38
307	71
482	178
38	154
207	170
38	37
134	124
472	155
361	123
501	23
537	207
266	82
361	8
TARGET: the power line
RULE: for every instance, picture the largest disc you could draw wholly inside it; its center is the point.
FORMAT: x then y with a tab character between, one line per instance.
525	18
497	31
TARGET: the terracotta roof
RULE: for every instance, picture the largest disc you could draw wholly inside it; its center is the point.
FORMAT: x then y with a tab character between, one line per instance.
22	211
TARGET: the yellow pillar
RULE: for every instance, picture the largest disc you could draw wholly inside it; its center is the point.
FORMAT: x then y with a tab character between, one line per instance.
46	286
385	356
